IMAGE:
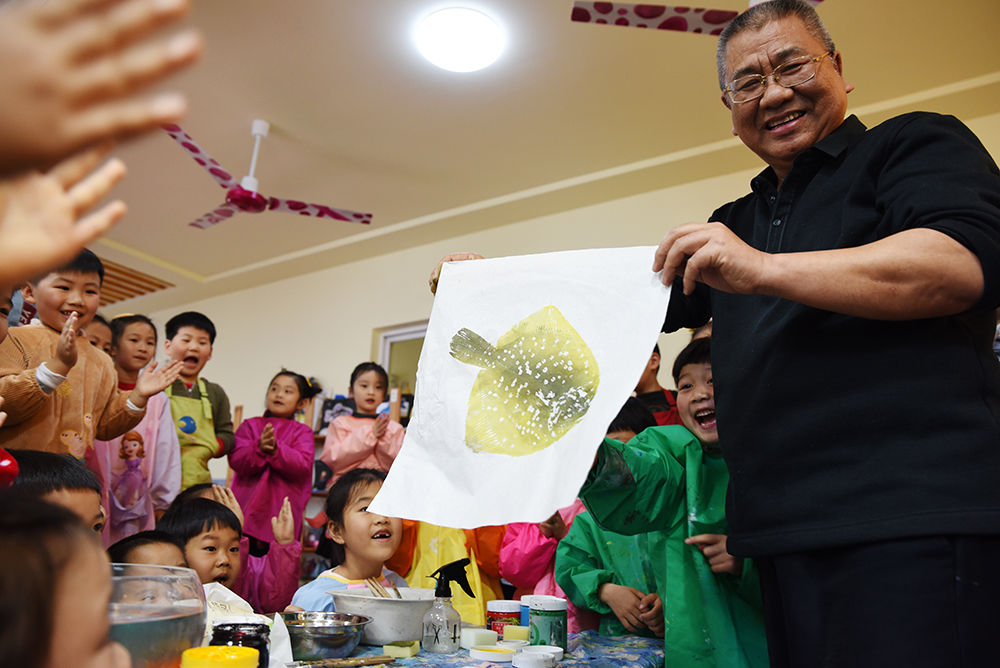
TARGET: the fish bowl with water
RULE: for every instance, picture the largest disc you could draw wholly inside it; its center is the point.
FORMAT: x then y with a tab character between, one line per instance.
156	612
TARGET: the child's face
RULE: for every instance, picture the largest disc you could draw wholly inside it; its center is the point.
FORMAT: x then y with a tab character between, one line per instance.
6	306
80	614
696	402
283	397
215	555
160	554
85	503
99	336
367	538
61	293
368	392
136	346
193	347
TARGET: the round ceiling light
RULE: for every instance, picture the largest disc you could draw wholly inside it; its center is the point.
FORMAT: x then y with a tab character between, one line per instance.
459	39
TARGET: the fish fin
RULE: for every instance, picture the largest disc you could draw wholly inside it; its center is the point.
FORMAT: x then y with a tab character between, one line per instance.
469	347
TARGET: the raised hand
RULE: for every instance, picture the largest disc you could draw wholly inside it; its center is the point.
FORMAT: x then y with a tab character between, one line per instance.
624	602
267	442
554	527
42	222
713	546
283	525
66	353
225	496
152	380
379	425
72	72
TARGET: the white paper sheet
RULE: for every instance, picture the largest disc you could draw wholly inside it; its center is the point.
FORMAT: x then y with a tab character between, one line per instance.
616	305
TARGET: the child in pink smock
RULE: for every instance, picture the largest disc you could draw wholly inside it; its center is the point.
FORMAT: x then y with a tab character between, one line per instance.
363	440
528	556
140	471
273	458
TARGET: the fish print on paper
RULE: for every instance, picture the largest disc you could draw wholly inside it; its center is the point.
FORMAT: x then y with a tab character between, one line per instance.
536	383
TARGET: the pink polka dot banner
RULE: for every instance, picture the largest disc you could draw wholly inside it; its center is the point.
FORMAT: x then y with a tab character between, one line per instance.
657	17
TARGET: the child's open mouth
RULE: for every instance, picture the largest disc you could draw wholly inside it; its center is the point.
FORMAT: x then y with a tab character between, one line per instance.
385	534
221	579
705	418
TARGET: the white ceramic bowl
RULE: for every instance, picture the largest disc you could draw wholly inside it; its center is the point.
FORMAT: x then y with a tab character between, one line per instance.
393	619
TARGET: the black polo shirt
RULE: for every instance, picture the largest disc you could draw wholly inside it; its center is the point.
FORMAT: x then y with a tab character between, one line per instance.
839	429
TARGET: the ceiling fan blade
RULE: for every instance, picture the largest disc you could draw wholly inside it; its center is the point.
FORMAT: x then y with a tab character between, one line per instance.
659	17
215	216
317	210
211	165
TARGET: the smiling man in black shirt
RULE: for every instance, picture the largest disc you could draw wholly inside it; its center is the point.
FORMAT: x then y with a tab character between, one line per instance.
853	295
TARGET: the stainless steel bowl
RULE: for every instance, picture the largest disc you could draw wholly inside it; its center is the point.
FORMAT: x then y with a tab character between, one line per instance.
324	635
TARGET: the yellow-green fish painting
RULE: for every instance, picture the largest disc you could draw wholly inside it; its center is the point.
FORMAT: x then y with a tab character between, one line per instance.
535	385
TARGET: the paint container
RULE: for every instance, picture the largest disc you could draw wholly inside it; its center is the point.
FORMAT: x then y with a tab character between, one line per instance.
525	609
547	621
500	613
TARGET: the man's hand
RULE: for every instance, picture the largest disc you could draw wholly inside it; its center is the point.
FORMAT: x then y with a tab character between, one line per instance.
712	254
379	425
554	527
41	215
624	602
153	380
713	546
267	442
225	496
450	257
652	613
73	70
283	525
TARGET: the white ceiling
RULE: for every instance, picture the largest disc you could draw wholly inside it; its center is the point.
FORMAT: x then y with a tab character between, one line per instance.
572	114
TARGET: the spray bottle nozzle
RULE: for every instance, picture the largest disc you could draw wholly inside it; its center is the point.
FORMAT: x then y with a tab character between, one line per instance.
452	572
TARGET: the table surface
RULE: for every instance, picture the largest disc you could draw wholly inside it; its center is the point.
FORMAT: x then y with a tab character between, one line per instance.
584	649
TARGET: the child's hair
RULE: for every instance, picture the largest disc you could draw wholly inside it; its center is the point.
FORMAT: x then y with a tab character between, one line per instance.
190	319
100	319
192	492
307	390
37	542
699	351
41	473
120	322
121	552
633	417
195	516
132	436
365	367
340	495
84	263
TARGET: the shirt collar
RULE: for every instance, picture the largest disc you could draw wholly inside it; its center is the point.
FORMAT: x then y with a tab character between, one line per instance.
833	145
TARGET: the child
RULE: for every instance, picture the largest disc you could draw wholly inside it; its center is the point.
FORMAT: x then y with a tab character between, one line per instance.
6	306
674	480
273	457
200	408
56	586
363	542
141	470
60	392
62	480
608	573
364	440
661	402
148	547
99	333
209	521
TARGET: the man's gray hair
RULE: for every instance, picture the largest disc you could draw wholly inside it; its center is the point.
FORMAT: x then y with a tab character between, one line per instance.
759	16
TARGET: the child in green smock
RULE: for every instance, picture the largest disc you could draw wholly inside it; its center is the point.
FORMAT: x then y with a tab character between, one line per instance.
674	479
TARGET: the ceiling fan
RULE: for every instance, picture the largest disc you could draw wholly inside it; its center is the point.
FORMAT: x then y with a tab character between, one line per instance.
243	196
659	17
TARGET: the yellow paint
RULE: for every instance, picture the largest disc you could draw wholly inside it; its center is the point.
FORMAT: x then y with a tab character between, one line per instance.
536	384
220	656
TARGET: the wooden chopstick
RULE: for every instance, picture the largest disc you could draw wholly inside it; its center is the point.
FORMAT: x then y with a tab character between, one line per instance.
346	663
376	588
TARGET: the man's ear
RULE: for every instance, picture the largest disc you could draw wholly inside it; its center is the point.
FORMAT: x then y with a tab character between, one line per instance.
28	294
334	532
839	64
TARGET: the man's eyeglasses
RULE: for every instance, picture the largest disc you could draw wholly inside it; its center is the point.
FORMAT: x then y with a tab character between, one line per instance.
788	74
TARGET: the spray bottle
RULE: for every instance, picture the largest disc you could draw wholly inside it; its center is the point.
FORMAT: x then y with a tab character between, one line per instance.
442	625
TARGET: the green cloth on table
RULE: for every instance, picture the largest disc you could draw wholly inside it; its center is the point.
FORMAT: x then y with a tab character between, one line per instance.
663	480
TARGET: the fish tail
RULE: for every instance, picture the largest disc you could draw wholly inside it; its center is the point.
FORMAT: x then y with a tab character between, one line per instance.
469	347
